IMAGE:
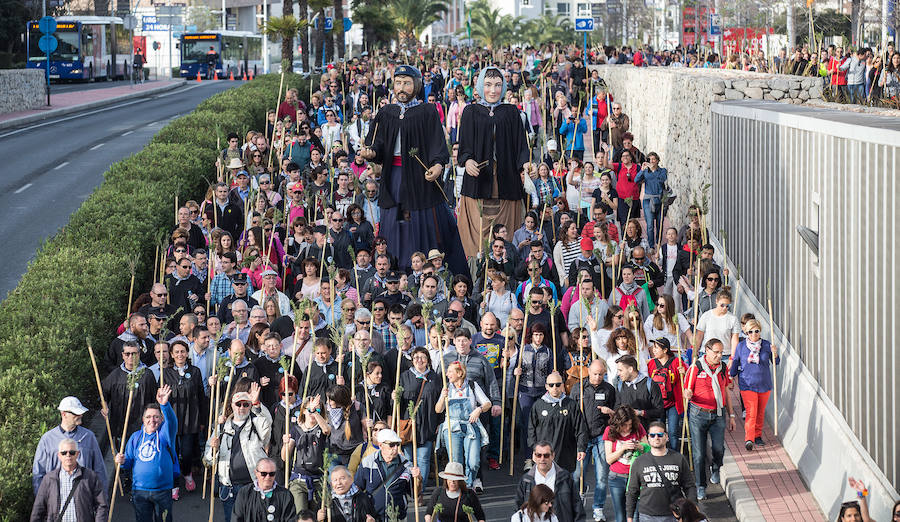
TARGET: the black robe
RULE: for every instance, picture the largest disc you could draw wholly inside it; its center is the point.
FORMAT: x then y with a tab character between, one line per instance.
500	140
188	398
321	380
380	401
563	426
115	390
389	368
419	129
249	506
361	504
273	370
275	442
427	420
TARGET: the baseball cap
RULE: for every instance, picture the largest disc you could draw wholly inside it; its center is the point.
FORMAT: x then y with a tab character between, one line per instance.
72	405
240	277
392	277
386	435
159	312
268	272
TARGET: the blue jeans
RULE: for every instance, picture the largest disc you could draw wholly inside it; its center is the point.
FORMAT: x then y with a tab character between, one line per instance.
492	424
149	506
673	425
705	424
617	484
596	452
467	449
228	494
423	458
857	92
652	215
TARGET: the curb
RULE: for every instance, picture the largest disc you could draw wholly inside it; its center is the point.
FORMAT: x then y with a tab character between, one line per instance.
738	492
52	113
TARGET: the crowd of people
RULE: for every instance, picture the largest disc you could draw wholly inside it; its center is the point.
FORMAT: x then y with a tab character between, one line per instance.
411	275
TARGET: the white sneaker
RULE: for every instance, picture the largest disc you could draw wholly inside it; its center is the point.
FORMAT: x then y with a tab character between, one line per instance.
479	487
598	516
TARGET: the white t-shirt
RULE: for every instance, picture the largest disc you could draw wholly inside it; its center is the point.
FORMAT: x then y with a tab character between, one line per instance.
721	328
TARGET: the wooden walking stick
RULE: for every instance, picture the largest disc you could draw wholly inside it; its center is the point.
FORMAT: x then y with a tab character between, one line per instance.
412	407
512	429
155	265
503	390
395	417
131	266
102	404
553	307
133	378
176	208
284	361
443	343
277	105
772	362
724	257
213	402
215	452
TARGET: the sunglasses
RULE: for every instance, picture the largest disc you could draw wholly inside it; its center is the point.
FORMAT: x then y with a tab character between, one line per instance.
392	444
266	473
242	404
554	384
639	258
69	453
129	354
541	455
656	435
712	278
753	331
179	250
363	323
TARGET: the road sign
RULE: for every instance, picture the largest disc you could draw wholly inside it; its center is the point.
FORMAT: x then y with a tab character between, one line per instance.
348	23
584	24
171	10
329	23
715	24
47	25
129	23
48	43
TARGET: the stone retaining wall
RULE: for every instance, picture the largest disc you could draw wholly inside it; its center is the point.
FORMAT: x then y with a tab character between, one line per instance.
21	89
669	111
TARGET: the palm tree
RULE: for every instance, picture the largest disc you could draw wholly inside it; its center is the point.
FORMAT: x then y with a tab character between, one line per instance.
337	31
547	28
285	27
303	7
318	7
377	24
414	16
491	28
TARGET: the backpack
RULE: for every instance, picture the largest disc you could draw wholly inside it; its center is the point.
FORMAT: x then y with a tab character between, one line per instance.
661	377
647	380
629	299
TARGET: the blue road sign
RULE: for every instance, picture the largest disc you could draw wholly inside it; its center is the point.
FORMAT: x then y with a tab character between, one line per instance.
48	43
348	23
584	24
47	25
715	24
329	23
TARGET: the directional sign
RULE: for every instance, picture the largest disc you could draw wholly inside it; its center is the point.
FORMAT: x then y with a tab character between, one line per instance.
715	24
129	23
47	25
348	23
584	24
329	23
48	43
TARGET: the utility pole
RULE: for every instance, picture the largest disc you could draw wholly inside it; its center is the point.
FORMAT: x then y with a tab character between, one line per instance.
265	42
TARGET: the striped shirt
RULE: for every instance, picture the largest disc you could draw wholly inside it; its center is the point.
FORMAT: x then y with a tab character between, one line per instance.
66	482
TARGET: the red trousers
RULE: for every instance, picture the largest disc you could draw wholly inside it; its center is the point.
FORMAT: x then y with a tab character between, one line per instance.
755	406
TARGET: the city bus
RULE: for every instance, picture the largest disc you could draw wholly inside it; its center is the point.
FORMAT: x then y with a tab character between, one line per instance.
235	52
90	47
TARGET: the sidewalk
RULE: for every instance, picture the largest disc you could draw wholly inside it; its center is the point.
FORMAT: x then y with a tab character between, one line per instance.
764	484
67	103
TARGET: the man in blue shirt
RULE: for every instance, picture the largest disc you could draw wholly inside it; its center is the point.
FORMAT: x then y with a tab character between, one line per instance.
150	455
46	458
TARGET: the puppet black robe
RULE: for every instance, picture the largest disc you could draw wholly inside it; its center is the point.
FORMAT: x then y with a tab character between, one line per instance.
115	390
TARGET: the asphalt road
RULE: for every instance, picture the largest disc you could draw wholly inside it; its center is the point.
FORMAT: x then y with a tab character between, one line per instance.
51	167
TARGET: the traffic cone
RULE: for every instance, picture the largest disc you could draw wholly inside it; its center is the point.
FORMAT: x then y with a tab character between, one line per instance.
199	79
244	76
251	75
216	75
231	76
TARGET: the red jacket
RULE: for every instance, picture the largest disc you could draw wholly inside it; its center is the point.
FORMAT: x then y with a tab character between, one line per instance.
625	185
603	109
838	77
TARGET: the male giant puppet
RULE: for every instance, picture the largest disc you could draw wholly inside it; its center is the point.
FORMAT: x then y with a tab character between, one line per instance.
406	138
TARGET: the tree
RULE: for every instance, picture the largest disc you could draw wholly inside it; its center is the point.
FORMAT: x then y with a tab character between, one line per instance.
321	54
378	26
489	27
414	16
285	27
547	28
303	8
337	31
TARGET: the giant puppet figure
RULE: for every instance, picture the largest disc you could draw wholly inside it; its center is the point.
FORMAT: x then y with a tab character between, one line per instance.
407	139
494	150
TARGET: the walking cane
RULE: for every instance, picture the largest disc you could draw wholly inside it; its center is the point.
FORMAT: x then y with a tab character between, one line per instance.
512	429
103	405
774	379
133	378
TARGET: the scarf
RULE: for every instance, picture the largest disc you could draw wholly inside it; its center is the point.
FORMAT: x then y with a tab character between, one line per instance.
335	416
137	368
754	348
479	88
553	400
345	501
419	375
628	288
714	378
408	105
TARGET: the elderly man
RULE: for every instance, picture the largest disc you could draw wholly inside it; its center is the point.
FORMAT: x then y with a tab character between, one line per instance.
239	444
266	500
567	504
240	327
596	398
348	503
70	492
150	455
268	289
415	216
387	475
46	457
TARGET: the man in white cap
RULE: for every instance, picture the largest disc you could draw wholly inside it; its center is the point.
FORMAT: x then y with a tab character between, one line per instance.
46	457
387	475
269	289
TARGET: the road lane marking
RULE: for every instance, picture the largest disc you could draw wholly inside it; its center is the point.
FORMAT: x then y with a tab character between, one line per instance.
79	115
23	188
61	165
127	133
97	146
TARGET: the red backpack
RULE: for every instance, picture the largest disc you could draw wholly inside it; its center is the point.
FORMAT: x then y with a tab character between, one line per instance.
629	299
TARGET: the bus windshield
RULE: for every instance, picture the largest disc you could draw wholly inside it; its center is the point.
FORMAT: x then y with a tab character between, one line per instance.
194	51
66	51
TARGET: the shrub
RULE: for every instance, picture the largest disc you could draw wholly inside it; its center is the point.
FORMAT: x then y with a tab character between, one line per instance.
75	290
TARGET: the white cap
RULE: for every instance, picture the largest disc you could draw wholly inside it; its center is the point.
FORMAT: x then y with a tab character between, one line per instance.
387	435
72	405
551	144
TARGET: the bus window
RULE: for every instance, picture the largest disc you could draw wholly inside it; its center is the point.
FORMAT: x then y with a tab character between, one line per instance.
194	51
66	51
87	43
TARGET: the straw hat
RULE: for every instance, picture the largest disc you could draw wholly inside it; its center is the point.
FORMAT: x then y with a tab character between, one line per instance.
453	471
434	254
235	163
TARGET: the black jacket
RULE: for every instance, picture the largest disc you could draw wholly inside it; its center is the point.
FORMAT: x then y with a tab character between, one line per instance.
594	397
562	425
644	395
188	398
249	506
231	219
682	263
89	499
180	291
567	503
602	282
427	420
361	504
498	137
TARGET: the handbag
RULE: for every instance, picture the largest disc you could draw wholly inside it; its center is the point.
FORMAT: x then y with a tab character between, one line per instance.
404	426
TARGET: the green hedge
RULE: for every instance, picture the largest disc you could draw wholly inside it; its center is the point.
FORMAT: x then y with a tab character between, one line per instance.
76	288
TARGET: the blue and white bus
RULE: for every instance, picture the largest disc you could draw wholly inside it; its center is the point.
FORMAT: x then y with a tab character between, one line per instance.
90	47
235	52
